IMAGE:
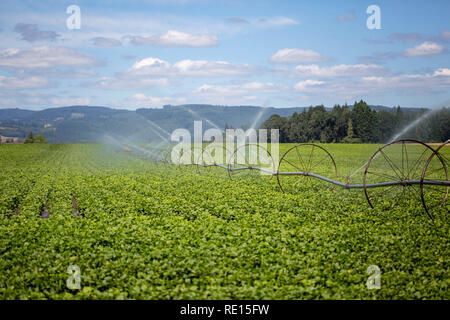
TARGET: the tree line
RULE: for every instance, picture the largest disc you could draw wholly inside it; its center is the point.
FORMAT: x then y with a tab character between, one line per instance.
360	124
39	138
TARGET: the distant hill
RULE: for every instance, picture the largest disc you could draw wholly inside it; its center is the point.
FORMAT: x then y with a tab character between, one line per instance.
8	114
92	123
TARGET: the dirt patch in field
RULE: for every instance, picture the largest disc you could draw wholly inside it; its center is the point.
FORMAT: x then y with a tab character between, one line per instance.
75	212
45	211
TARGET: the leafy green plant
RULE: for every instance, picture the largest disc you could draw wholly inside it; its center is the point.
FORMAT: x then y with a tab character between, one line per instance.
158	231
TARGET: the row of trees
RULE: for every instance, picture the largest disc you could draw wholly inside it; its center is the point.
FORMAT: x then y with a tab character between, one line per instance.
39	138
361	124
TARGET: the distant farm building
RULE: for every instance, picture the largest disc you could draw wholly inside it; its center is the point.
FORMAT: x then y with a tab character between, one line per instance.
4	139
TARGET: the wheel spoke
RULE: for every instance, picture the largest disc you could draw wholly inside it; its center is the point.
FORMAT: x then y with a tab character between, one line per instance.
313	160
436	189
382	191
326	156
388	160
434	170
383	175
403	160
310	159
416	164
407	163
300	159
293	165
414	190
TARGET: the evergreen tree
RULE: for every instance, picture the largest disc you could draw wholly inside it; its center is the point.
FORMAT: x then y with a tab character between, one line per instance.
277	122
350	133
365	122
362	124
30	138
387	125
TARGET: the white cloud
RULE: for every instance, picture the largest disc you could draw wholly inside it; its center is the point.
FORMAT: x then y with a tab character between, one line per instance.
31	33
8	102
442	72
45	57
410	84
304	85
106	42
342	70
425	49
234	90
204	68
257	93
75	101
150	62
12	83
277	21
175	38
141	100
151	72
192	68
67	73
37	101
296	56
127	84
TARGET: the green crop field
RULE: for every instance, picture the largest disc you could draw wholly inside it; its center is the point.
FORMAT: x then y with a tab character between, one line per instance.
139	229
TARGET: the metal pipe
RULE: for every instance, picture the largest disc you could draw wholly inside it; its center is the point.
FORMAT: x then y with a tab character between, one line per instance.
371	185
338	183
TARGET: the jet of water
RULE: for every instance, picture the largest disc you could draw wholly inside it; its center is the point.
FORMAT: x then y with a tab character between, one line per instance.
203	118
158	129
125	143
405	130
413	124
258	117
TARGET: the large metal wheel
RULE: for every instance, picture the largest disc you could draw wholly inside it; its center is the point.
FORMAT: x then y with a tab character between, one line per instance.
214	160
299	162
182	160
166	154
435	197
248	159
392	175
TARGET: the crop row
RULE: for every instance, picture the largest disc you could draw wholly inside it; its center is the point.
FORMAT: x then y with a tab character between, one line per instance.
163	232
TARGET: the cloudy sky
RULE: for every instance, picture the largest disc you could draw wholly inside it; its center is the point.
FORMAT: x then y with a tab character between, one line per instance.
132	54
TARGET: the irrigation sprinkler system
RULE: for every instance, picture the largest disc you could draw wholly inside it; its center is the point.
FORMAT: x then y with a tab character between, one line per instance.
394	174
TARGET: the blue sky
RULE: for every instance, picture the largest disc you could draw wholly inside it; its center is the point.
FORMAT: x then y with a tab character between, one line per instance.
134	54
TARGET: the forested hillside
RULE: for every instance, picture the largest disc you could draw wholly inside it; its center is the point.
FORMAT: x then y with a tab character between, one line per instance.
358	123
361	124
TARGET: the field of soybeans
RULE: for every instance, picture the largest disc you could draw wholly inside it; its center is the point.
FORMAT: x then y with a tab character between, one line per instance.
140	229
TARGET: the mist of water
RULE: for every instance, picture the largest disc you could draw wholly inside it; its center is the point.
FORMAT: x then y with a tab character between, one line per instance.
402	132
203	118
128	145
258	117
413	124
158	130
